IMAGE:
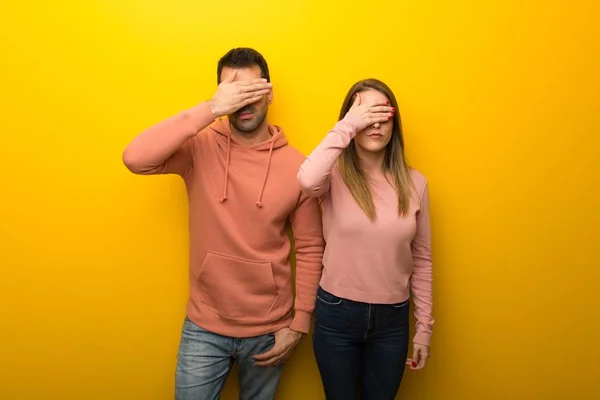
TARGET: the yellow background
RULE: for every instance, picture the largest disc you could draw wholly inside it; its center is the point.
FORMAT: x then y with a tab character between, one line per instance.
501	110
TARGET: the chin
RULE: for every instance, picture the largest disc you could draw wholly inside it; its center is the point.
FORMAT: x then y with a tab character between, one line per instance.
249	125
373	147
246	126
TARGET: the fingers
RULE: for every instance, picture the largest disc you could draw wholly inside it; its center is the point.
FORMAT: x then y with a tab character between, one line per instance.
253	99
281	351
380	113
424	358
415	358
255	87
251	82
272	357
254	84
382	109
254	92
268	354
378	117
248	95
270	362
419	358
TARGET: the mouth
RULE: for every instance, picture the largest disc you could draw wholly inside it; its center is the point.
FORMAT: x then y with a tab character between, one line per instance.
245	115
375	136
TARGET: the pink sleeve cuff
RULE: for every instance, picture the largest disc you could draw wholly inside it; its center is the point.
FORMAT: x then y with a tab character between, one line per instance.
200	116
422	338
354	122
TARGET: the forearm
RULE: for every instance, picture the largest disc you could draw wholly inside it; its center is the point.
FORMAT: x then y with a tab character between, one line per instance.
152	148
309	245
308	275
315	171
422	290
422	278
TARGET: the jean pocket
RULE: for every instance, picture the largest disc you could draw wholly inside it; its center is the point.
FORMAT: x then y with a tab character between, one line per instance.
190	329
328	298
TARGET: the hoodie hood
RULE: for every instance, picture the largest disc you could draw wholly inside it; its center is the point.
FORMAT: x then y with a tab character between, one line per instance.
277	140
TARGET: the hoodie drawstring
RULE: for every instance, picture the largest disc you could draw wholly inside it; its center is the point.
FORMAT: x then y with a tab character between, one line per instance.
226	169
259	203
262	189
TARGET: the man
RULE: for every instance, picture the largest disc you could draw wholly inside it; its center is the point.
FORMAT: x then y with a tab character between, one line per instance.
240	175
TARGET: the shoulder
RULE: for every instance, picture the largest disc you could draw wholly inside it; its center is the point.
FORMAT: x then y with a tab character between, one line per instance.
207	141
292	155
419	181
206	135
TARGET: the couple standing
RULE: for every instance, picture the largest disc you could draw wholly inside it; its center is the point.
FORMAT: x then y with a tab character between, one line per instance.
360	222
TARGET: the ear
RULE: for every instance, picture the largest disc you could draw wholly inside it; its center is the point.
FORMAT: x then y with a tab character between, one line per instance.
270	96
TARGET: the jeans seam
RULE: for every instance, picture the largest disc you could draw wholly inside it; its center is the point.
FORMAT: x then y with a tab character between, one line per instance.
369	315
329	303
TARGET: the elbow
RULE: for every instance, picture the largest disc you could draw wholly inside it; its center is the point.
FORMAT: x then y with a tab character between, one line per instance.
310	191
132	161
308	185
304	183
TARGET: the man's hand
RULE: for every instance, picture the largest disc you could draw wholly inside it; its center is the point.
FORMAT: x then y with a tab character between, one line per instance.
231	96
419	358
285	342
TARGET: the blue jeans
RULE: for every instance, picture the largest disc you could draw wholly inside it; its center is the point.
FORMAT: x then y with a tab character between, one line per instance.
360	348
205	359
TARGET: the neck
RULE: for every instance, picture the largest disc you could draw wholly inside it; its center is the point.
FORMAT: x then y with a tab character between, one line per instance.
258	135
371	162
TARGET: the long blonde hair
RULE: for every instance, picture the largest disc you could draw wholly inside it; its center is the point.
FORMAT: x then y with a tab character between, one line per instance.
394	162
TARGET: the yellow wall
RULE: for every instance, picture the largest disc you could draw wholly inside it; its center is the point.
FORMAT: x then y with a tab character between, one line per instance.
501	110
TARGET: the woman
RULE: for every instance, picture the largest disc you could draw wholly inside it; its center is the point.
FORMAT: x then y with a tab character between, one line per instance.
376	226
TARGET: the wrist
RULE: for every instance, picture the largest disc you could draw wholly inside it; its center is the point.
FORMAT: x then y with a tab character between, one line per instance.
356	122
422	338
200	116
214	108
299	335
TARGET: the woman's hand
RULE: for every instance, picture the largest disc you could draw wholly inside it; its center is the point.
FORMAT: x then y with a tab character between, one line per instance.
419	358
369	113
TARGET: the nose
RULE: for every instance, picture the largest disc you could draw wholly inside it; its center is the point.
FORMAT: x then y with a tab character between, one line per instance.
376	125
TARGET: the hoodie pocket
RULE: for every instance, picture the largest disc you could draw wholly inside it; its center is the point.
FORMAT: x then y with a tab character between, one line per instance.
237	288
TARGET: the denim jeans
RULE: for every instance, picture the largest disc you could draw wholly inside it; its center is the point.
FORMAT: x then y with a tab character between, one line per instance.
360	348
205	359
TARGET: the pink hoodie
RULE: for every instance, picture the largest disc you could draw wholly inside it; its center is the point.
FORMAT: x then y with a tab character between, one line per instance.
365	261
240	201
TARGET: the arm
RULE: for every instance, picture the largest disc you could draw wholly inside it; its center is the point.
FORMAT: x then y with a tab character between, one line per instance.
422	277
166	147
315	172
309	246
